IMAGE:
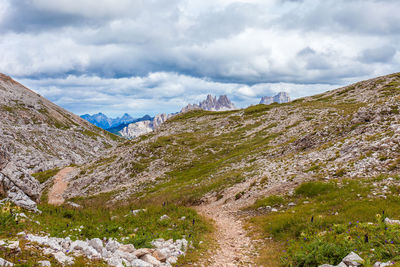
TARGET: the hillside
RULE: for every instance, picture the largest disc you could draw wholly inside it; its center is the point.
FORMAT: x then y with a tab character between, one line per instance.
225	161
37	135
345	132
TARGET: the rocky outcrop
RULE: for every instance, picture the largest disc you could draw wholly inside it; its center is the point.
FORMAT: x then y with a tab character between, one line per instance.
354	260
212	104
136	129
37	135
17	185
280	98
165	253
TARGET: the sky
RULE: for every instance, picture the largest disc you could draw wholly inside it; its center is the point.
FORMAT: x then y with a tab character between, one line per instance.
153	56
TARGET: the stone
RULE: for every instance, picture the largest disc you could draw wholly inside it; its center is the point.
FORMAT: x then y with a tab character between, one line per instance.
353	260
172	259
389	221
383	264
342	264
63	259
164	217
161	254
74	205
135	212
97	244
124	255
326	265
13	245
3	262
150	259
129	248
112	245
140	263
143	251
44	263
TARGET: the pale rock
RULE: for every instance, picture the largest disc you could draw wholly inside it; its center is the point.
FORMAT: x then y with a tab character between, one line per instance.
135	212
63	259
150	259
5	263
164	217
140	263
389	221
143	251
172	259
162	254
97	244
112	245
129	248
44	263
353	260
124	255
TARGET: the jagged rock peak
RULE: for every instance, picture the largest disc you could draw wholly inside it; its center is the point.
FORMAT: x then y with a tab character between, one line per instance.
281	97
212	104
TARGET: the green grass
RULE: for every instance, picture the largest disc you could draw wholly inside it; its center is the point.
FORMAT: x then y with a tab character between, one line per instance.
329	221
45	175
101	221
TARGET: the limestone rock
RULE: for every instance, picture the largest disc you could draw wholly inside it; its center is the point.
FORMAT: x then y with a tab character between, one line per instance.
353	260
63	259
44	263
140	263
5	263
150	259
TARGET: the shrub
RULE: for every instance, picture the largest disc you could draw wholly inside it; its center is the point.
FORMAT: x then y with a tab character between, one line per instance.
312	189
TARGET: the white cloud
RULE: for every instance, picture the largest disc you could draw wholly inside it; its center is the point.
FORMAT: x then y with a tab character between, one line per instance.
168	53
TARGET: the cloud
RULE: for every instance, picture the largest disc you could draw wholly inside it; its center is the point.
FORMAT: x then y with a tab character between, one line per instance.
161	91
168	49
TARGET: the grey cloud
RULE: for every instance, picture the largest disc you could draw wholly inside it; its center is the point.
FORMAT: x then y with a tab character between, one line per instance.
378	55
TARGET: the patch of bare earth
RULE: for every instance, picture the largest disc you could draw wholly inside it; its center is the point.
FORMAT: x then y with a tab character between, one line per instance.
60	184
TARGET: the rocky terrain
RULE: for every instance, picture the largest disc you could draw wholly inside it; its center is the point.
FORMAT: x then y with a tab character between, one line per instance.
280	98
302	183
37	135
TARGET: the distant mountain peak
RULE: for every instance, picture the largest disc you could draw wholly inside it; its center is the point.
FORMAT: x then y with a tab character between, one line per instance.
281	97
211	103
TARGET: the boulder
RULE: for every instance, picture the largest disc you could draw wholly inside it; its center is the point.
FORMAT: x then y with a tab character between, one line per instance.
150	259
162	254
140	263
112	245
44	263
127	248
143	251
353	260
97	244
63	259
3	262
392	222
164	217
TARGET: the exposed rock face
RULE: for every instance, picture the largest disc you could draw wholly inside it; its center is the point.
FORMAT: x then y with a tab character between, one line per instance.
136	129
212	104
36	135
280	98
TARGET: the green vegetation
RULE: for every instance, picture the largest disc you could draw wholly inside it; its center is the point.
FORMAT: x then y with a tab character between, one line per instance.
329	221
117	222
45	175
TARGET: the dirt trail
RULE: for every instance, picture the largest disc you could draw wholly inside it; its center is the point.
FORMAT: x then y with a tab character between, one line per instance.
235	248
59	186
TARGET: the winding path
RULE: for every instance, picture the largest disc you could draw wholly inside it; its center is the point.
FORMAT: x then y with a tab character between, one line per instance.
60	185
235	247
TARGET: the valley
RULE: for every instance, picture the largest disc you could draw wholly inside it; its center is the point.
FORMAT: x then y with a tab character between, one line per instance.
302	183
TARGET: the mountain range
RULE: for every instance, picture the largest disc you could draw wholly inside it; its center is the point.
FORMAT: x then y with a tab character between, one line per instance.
101	120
